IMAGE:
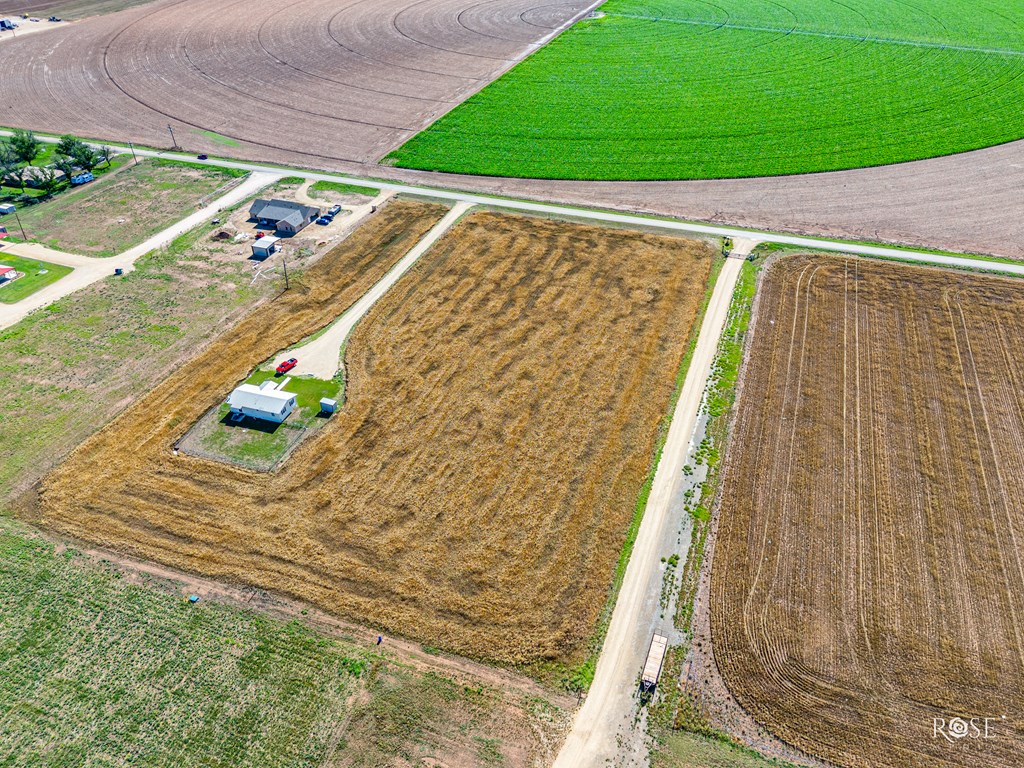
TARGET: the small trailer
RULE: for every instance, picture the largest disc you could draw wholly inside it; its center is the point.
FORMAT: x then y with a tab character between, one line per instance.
655	660
8	24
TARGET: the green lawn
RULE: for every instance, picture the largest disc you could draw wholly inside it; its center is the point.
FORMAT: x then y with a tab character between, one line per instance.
255	443
683	89
122	209
341	189
37	274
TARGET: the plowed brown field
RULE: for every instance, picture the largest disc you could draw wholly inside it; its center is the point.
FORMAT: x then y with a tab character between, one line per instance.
502	408
868	572
307	81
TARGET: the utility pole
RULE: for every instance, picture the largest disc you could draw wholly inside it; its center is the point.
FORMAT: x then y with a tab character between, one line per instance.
20	225
284	261
132	148
174	143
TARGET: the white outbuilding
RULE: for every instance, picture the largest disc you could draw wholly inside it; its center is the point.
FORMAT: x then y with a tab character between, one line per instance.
267	401
265	247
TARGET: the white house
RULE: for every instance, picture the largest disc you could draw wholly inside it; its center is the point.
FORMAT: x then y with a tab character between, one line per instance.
266	401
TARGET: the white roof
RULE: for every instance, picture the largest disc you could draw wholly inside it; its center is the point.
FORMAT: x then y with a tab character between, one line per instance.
265	242
267	400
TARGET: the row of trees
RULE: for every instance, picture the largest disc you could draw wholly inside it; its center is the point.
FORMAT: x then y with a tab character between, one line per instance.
20	151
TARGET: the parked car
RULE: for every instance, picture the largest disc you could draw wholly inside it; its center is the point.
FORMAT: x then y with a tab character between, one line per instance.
203	156
287	365
55	18
334	211
260	234
323	221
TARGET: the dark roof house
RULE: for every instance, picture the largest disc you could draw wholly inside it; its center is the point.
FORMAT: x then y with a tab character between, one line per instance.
284	215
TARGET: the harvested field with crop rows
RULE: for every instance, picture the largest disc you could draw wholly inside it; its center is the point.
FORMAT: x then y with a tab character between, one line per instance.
314	79
677	89
868	572
503	403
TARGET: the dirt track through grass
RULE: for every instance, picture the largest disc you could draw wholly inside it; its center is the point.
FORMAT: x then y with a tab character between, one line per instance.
502	408
868	572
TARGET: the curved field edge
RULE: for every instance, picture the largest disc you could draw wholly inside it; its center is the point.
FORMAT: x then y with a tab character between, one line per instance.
706	102
802	648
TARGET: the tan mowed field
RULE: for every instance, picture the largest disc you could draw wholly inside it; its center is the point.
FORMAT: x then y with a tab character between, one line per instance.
502	408
868	573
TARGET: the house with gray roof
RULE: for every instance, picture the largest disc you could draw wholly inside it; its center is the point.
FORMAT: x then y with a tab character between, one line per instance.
284	216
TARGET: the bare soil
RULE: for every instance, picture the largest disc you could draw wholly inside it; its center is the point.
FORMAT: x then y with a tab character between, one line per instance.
502	409
867	571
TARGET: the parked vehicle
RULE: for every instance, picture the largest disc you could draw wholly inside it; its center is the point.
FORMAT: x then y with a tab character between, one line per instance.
82	178
260	234
323	221
203	157
7	24
287	365
55	18
334	211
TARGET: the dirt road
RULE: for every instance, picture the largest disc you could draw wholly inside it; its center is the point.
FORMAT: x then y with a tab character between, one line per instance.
322	356
88	270
609	707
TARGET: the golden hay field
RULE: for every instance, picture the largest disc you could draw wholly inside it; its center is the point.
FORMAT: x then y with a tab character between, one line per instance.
502	409
868	571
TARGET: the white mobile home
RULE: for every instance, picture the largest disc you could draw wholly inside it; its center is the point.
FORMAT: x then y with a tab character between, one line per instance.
265	402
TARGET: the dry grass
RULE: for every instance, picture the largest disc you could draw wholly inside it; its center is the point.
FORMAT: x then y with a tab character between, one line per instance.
502	408
868	571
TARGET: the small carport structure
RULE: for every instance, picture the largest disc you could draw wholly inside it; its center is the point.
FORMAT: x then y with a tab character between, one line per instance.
265	247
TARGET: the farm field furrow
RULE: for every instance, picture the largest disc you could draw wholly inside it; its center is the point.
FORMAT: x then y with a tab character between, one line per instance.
740	89
315	79
510	389
868	575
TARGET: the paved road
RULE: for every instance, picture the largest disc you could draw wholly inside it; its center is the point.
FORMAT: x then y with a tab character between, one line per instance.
609	216
608	708
88	270
322	356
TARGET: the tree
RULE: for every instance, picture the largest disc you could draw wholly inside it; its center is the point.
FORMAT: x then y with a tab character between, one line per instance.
67	145
86	157
48	180
66	164
106	153
25	145
11	166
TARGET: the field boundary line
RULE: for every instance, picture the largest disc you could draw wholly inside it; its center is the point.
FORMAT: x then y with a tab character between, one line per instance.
897	253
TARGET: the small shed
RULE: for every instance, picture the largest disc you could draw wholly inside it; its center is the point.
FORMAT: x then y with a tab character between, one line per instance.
265	402
7	208
265	247
328	405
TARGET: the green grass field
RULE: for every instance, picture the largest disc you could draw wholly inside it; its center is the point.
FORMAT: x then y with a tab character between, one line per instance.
682	89
37	274
101	667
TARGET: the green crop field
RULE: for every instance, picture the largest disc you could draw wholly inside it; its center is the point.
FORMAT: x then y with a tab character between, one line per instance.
682	89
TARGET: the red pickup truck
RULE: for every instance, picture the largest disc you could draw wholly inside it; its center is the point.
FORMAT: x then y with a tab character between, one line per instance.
287	365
